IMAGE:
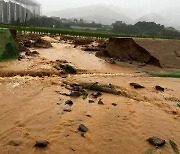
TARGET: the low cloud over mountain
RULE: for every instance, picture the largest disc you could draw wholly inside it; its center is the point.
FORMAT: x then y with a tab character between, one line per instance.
107	14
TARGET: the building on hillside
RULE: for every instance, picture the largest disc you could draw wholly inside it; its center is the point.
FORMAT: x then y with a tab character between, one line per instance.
13	10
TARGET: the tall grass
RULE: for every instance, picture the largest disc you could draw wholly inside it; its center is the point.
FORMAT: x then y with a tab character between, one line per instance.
72	32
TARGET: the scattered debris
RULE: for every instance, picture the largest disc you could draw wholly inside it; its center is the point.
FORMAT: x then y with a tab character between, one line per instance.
159	88
83	135
100	102
63	75
156	141
114	104
76	90
69	102
82	128
82	41
136	85
91	101
31	40
98	94
41	144
15	143
21	57
72	149
67	110
88	115
68	68
75	94
174	146
32	54
40	43
111	61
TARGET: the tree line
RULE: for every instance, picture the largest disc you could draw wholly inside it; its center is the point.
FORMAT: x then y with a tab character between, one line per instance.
119	27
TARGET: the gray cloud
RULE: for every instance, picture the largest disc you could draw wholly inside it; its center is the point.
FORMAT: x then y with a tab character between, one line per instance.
151	5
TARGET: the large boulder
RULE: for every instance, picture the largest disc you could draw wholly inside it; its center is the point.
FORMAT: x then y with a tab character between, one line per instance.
126	49
8	46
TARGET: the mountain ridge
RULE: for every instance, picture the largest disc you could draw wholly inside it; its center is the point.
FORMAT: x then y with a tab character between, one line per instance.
108	14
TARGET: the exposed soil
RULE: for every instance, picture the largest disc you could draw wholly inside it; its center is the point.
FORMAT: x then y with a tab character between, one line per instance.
126	49
34	109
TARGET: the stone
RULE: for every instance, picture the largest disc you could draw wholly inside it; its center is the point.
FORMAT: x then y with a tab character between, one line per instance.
100	102
91	101
69	69
88	115
159	88
63	75
75	94
21	57
156	141
67	110
83	128
32	54
114	104
136	85
98	94
41	144
69	102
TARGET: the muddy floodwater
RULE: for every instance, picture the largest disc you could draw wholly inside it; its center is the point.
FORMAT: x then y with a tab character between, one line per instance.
33	108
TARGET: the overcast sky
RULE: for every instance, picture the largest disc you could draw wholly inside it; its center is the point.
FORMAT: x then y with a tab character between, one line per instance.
55	5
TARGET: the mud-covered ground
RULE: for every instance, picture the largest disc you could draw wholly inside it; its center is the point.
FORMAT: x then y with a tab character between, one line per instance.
32	106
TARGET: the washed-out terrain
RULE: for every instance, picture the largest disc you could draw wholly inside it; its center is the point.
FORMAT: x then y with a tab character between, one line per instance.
74	97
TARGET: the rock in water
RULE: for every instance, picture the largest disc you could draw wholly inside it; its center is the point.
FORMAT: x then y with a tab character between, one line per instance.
41	144
82	128
156	141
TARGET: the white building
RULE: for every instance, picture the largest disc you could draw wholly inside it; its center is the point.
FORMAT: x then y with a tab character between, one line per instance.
18	9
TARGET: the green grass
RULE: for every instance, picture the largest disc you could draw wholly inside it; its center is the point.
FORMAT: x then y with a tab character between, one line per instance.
174	146
74	32
8	47
167	74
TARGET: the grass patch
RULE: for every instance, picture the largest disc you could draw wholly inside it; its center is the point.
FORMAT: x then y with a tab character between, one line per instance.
174	146
103	88
74	32
167	74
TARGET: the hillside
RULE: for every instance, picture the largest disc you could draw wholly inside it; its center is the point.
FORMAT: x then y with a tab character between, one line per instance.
107	14
98	13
